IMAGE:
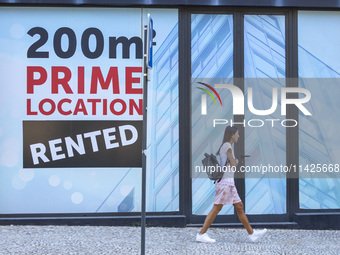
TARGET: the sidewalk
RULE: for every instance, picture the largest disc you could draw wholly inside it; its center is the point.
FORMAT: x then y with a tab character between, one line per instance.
90	240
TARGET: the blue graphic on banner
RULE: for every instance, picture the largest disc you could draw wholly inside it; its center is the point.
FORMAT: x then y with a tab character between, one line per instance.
319	134
163	115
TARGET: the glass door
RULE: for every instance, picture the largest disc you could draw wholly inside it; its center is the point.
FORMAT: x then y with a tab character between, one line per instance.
211	63
253	57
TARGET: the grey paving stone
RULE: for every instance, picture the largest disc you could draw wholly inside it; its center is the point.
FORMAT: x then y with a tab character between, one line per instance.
83	240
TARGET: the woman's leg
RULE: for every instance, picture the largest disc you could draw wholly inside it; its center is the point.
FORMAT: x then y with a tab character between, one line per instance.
210	217
243	217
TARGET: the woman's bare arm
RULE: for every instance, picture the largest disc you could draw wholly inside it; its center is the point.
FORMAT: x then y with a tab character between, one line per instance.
233	162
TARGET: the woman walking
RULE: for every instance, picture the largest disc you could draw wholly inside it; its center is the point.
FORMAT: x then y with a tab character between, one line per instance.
226	192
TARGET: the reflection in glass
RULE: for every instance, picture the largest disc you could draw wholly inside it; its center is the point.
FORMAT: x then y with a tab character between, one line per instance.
264	57
211	57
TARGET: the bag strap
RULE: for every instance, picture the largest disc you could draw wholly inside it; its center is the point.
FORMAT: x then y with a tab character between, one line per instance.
226	163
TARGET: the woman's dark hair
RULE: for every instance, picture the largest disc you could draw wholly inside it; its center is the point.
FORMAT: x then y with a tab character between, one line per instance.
228	133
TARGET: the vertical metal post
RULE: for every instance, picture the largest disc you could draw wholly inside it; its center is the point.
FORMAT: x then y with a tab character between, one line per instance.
144	143
184	75
238	58
292	134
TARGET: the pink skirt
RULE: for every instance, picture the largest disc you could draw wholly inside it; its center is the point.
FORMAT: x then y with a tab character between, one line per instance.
226	194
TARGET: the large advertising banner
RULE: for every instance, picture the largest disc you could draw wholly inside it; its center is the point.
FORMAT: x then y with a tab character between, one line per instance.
71	109
72	73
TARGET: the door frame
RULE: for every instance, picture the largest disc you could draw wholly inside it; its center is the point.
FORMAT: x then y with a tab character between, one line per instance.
292	156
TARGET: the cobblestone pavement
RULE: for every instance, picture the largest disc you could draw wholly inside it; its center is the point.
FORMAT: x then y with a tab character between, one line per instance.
126	240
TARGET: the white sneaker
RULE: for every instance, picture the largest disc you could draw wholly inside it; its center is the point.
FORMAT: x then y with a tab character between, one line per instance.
257	234
204	238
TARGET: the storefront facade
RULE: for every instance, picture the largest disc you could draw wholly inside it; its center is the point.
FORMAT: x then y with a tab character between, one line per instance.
71	111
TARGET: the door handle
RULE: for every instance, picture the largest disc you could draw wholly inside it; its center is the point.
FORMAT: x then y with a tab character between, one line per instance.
243	158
